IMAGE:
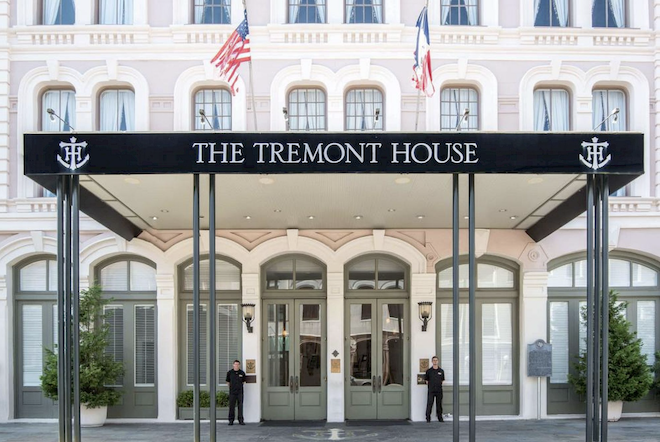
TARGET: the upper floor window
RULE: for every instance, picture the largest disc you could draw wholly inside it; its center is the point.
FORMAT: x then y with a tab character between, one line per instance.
551	110
364	109
460	12
216	104
307	109
609	109
454	101
117	110
116	12
307	11
212	11
608	14
364	11
59	12
551	13
63	105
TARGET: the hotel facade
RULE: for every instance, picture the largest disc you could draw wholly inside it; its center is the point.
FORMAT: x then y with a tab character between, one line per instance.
335	264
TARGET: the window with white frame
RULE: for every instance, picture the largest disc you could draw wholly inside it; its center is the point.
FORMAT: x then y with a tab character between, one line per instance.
116	12
307	11
454	102
551	13
364	109
460	12
212	12
63	105
551	110
58	12
364	11
216	104
306	109
609	13
117	110
609	110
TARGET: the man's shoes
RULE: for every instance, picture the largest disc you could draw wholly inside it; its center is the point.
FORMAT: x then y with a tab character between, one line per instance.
241	423
440	419
231	423
428	419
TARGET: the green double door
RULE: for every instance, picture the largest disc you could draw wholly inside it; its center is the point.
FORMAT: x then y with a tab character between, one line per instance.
376	359
294	367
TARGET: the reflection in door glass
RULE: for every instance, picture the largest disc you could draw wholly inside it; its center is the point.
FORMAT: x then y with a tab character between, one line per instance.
278	345
360	344
393	329
310	345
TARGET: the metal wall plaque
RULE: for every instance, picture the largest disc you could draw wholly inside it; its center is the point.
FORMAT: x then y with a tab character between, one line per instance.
539	359
250	366
423	365
335	365
421	379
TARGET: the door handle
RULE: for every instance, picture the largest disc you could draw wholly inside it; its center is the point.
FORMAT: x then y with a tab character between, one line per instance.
291	384
296	384
380	384
373	384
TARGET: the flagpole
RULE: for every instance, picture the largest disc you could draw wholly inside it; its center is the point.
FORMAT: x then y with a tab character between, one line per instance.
254	108
419	91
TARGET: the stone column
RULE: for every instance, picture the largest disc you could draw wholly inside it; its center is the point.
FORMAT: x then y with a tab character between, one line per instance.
167	347
422	344
6	357
252	347
335	342
4	103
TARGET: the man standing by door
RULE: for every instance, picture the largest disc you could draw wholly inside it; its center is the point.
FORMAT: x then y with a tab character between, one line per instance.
235	380
435	376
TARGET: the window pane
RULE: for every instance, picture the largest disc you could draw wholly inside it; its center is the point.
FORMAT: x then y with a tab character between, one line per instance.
310	346
453	103
279	343
360	345
32	335
362	275
582	334
447	343
580	269
309	275
604	103
115	321
459	12
608	13
33	277
561	276
116	12
391	275
497	344
117	110
307	11
490	276
216	104
619	273
307	110
551	110
143	277
58	12
114	277
559	341
646	329
279	275
364	11
227	276
202	344
364	109
228	338
52	276
145	345
551	13
63	104
445	277
393	336
643	276
212	11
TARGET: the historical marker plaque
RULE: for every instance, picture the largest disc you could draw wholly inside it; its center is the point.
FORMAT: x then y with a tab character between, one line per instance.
539	359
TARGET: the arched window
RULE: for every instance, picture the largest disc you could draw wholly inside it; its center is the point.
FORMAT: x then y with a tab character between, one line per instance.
216	104
497	332
454	101
604	102
306	109
294	273
636	282
63	104
376	274
364	109
117	110
551	110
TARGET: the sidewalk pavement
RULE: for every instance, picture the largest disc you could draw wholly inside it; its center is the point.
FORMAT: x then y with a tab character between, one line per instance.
628	430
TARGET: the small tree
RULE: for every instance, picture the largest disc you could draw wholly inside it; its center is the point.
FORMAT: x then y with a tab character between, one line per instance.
97	368
630	378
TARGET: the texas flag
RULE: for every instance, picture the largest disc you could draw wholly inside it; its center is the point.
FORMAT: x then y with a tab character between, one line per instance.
422	76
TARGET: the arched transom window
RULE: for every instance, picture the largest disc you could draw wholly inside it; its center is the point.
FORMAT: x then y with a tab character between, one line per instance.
377	274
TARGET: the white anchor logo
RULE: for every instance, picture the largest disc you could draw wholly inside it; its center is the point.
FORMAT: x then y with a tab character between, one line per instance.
595	152
73	154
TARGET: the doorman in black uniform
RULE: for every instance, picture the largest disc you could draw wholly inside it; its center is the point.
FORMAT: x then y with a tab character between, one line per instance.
235	381
435	376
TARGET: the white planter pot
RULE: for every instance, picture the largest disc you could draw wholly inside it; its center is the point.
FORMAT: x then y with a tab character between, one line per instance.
614	409
92	417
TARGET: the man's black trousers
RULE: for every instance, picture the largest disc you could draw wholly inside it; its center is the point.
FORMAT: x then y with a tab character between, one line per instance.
437	395
233	399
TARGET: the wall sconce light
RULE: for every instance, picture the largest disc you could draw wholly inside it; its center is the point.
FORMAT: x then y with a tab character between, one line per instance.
425	313
248	316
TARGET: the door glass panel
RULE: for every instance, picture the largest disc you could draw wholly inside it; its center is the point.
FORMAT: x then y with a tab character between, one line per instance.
393	330
32	345
362	275
278	345
447	343
496	344
391	275
360	330
280	275
309	275
559	341
310	345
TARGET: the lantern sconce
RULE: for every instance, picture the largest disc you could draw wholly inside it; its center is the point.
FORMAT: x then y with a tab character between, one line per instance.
248	316
425	313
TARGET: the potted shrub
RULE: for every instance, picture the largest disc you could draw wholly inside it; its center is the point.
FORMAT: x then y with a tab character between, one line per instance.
98	369
185	404
630	378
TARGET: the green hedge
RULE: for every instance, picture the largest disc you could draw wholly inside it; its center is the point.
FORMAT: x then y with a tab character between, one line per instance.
186	399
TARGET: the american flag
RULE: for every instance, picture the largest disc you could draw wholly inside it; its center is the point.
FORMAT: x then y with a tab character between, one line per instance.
235	51
422	75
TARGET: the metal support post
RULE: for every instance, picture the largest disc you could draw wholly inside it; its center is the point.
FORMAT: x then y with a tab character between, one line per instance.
455	312
590	308
196	306
605	189
472	309
212	308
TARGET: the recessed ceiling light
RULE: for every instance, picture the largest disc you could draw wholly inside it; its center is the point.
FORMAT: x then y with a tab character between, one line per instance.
247	217
358	217
513	217
155	218
310	217
535	180
402	180
420	216
164	211
502	210
131	180
391	210
277	210
266	180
